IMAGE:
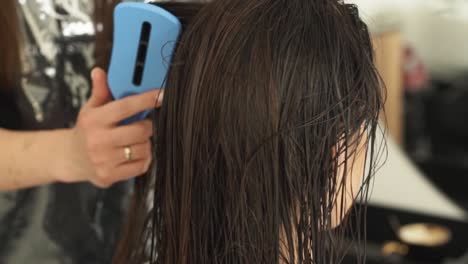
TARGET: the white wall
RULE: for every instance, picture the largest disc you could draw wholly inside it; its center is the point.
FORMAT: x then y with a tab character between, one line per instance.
438	29
398	184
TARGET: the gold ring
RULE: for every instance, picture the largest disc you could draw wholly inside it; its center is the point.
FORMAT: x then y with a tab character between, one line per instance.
128	153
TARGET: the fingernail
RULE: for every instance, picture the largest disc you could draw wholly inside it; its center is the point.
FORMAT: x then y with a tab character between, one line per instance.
160	97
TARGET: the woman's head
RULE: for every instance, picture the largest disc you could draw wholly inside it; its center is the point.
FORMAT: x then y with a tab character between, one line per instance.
268	104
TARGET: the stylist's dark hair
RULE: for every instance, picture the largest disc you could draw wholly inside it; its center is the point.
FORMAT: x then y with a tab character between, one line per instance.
103	19
9	46
268	105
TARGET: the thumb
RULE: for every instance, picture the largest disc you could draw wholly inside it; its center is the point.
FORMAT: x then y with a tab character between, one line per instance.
100	94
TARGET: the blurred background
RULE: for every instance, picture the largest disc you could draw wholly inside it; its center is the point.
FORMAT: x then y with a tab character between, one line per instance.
417	211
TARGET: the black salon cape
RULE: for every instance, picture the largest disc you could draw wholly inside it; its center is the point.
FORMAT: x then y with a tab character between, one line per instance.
56	223
9	115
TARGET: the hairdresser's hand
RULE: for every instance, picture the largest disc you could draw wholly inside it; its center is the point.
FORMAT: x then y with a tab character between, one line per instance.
97	151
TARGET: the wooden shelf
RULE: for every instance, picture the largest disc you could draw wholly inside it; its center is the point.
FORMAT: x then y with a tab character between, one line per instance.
388	56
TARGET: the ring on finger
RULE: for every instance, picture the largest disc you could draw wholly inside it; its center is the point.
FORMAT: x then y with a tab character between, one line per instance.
128	153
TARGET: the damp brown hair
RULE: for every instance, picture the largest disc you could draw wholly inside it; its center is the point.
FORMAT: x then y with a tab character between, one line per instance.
265	106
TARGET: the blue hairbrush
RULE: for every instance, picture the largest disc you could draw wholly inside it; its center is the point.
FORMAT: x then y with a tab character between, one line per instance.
145	36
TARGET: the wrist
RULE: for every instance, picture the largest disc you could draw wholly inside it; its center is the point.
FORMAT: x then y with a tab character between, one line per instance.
63	167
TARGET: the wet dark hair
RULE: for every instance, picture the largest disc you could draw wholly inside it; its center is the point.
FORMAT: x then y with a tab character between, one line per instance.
266	105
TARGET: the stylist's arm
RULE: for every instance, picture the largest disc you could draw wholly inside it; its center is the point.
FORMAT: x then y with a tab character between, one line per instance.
97	150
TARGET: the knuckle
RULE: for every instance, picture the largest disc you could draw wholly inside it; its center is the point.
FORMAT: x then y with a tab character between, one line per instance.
148	123
85	120
151	99
144	168
142	128
99	140
148	149
103	174
146	165
149	128
125	109
103	184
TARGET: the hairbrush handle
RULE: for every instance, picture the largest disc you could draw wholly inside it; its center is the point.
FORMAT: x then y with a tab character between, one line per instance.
145	36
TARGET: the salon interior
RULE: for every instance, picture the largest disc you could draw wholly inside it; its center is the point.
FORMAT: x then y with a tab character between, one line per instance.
418	208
